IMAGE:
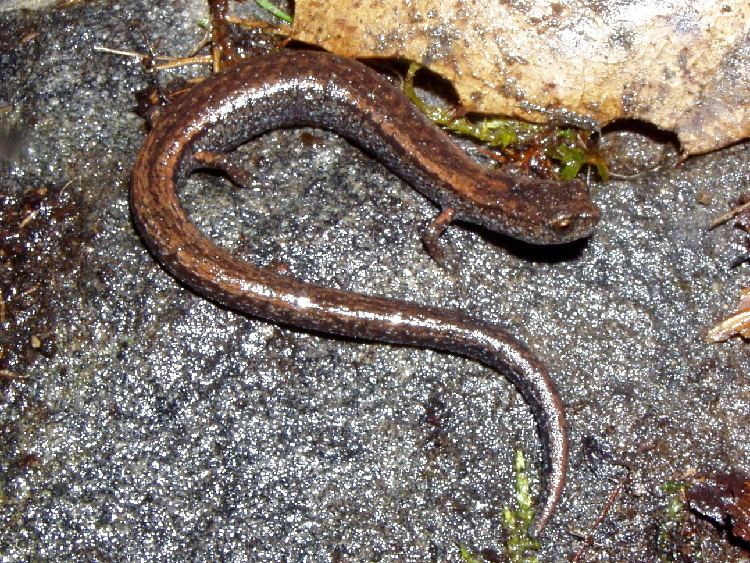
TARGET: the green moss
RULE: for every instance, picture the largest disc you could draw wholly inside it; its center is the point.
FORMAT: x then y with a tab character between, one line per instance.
570	149
467	556
493	131
574	154
670	540
517	522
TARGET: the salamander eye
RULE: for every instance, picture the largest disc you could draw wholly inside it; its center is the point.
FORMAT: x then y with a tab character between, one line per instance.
563	224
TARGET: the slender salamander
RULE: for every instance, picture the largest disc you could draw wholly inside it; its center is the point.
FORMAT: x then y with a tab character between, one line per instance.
317	89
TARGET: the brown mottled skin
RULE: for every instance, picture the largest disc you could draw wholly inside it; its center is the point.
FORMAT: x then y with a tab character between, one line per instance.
306	88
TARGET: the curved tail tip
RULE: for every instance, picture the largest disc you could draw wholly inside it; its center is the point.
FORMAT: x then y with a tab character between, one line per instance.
539	522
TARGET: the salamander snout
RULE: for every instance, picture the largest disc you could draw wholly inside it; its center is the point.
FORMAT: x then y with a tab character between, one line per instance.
531	210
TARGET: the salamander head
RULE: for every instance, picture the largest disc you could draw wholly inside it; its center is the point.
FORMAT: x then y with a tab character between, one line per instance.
535	211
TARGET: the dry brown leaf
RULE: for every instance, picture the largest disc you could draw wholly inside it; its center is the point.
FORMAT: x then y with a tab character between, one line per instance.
722	498
683	65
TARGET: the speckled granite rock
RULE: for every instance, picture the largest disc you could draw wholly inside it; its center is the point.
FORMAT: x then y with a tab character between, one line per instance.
152	425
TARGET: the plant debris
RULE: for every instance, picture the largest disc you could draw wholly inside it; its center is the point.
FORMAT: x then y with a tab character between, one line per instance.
724	499
682	66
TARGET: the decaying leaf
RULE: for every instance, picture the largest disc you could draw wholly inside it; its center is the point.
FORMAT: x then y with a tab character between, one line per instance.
737	324
681	65
725	499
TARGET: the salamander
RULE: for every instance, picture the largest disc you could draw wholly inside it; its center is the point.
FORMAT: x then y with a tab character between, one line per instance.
296	88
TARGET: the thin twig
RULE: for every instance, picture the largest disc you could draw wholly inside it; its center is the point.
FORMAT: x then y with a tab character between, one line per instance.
187	61
7	374
727	216
588	540
67	3
133	54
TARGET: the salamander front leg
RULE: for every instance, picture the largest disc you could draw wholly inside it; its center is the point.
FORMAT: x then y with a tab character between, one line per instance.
432	233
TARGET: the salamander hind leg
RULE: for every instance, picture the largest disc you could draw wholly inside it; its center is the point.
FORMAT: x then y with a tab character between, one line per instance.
226	164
